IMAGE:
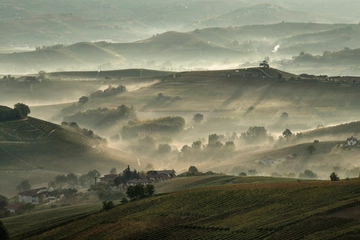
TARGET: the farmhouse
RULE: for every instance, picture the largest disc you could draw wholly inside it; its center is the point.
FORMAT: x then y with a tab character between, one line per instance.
351	141
34	196
109	178
13	208
160	175
27	79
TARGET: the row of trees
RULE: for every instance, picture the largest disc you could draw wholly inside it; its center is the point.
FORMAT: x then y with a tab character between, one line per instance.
164	125
71	180
214	148
110	91
87	132
140	191
102	117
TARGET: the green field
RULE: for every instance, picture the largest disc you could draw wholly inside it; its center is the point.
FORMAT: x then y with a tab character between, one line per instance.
21	226
269	210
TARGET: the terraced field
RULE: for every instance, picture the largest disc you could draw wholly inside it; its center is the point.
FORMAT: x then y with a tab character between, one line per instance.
282	210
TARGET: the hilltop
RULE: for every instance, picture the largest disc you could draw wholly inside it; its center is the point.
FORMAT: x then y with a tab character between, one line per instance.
314	210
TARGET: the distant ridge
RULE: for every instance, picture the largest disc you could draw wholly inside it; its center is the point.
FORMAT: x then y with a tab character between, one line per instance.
135	72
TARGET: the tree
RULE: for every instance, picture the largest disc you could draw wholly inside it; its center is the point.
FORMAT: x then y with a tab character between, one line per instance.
242	174
311	149
198	118
334	177
308	174
107	205
193	169
287	134
60	181
264	64
83	100
140	191
196	146
3	202
23	186
113	171
255	135
230	146
164	148
4	235
213	138
284	116
23	109
252	172
149	190
72	180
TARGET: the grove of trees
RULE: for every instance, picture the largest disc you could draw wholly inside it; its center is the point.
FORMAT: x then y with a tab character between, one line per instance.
102	117
110	91
20	111
163	125
140	191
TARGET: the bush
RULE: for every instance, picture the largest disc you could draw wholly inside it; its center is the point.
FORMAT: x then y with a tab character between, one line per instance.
334	177
124	200
107	205
242	174
308	174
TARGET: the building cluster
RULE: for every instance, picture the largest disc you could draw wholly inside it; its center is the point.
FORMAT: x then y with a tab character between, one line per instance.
330	79
151	177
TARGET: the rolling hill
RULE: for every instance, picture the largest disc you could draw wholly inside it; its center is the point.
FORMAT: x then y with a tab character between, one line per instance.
282	210
38	150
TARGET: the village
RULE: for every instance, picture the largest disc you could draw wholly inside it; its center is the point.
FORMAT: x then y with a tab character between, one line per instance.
27	200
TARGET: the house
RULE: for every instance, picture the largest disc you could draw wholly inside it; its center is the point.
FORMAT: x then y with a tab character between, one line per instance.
27	79
13	208
160	175
109	178
33	196
351	141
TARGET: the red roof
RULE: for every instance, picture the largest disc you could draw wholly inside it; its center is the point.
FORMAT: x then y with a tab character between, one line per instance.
14	206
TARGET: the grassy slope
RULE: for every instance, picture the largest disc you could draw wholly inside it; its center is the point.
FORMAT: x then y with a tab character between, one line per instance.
37	150
208	91
272	210
46	219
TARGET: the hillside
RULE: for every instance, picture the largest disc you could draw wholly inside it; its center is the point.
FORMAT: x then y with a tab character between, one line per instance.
297	210
260	14
37	150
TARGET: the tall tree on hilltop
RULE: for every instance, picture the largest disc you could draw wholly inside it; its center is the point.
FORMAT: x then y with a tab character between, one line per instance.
23	109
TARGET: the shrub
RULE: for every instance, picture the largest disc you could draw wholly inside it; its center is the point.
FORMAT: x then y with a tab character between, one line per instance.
107	205
334	177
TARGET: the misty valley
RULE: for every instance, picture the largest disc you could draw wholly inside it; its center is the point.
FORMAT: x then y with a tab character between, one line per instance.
166	120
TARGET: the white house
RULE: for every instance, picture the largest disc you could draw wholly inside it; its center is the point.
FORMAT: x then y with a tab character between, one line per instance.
33	196
351	141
